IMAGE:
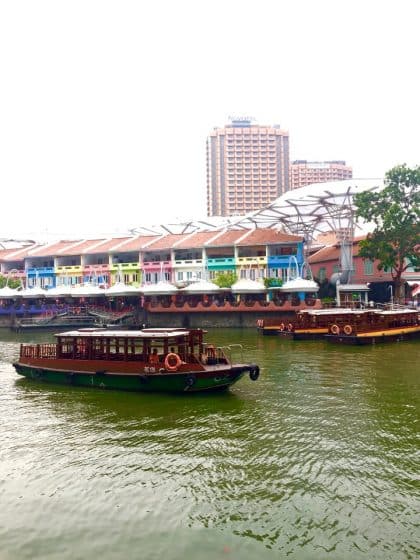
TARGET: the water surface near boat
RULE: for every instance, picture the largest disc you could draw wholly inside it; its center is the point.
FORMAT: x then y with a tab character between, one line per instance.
316	460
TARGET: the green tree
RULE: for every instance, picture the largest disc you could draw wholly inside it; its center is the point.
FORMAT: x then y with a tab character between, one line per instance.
11	282
395	213
225	279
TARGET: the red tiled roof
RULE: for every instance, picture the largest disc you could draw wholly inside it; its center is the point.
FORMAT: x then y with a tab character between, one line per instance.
197	239
55	249
80	247
331	253
225	238
166	242
20	254
136	243
260	236
5	253
110	244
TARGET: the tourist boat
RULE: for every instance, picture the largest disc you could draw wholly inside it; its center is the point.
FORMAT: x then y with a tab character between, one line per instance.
165	360
315	323
307	324
372	326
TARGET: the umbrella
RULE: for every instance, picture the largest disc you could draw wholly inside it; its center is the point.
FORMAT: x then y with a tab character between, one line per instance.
161	288
121	289
246	285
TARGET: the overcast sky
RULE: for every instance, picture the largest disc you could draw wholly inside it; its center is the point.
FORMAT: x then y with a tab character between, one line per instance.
105	106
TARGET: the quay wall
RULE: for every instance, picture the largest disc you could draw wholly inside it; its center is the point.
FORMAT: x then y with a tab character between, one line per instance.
184	319
213	320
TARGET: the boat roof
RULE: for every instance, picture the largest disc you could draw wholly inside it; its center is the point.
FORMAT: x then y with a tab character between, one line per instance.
145	333
332	311
395	311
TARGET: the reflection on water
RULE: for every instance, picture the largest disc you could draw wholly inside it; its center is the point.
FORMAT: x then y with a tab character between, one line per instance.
316	459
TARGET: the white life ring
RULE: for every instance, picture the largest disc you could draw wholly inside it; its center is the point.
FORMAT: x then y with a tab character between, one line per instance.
335	329
172	362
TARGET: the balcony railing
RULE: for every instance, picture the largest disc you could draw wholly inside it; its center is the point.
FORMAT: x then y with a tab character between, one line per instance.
251	260
14	273
278	260
91	268
72	269
156	265
41	271
124	267
220	262
188	262
234	306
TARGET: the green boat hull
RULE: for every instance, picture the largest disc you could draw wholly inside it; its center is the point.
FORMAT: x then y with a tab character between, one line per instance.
159	382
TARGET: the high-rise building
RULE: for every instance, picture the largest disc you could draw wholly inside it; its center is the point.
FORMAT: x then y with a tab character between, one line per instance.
304	172
247	167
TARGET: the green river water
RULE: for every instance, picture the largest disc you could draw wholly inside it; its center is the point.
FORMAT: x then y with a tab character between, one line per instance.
318	459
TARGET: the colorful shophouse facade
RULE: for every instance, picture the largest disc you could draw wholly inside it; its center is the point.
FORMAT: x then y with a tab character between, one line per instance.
141	260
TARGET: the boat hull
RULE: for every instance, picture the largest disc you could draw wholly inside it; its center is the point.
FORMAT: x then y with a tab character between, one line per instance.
304	334
377	337
177	382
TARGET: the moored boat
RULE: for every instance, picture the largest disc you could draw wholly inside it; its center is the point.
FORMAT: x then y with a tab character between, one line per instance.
373	326
307	324
163	360
315	323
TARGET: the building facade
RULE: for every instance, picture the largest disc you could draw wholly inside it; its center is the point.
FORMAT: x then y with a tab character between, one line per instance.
325	263
303	172
253	254
247	167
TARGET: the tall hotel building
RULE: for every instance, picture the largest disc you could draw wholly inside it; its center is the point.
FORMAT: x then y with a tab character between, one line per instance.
304	172
247	167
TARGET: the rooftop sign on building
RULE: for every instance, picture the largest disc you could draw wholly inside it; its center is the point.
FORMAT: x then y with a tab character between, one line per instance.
241	121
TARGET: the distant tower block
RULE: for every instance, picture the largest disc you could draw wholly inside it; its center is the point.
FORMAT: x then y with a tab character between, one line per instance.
247	167
303	172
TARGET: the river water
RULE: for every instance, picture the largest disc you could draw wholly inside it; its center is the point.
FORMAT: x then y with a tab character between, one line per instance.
317	459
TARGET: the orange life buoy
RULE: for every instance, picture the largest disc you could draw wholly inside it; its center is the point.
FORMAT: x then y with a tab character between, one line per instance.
172	361
348	329
290	327
335	329
282	327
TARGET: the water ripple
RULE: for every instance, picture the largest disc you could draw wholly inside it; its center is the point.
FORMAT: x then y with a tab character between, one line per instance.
317	459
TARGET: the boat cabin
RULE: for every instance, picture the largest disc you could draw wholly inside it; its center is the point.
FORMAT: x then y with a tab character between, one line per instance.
148	345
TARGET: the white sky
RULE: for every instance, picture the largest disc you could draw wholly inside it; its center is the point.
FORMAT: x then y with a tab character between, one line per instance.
105	106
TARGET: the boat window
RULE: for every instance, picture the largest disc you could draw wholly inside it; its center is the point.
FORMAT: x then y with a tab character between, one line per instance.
134	347
67	345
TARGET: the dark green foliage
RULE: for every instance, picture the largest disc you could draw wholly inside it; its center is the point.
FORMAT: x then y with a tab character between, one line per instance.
272	282
225	279
395	213
11	283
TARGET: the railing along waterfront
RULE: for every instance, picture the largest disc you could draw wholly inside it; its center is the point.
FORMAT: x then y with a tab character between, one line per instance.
242	306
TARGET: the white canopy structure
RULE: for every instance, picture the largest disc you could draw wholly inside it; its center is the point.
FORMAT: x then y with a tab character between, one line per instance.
159	289
201	287
299	285
87	290
121	289
35	292
315	209
247	286
9	293
59	291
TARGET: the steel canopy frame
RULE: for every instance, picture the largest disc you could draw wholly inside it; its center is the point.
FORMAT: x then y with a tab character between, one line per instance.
315	209
308	211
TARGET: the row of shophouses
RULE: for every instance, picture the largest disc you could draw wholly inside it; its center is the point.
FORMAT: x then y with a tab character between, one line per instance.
175	258
180	259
